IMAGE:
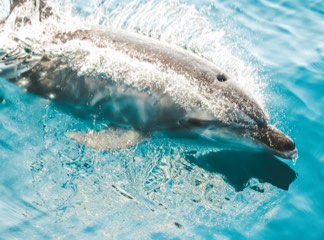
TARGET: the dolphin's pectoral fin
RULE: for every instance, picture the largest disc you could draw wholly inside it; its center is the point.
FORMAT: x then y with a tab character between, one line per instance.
108	139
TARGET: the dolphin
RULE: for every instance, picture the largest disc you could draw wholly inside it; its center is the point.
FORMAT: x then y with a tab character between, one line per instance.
193	96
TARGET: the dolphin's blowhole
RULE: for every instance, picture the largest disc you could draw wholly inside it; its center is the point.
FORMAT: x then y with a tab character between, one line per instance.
221	77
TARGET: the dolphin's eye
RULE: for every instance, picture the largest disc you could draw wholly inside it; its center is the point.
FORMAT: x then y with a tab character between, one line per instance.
221	77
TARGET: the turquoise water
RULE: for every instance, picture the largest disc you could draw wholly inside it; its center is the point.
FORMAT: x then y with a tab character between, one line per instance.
51	187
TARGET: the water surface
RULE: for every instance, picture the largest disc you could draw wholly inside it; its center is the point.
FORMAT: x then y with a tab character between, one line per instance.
51	187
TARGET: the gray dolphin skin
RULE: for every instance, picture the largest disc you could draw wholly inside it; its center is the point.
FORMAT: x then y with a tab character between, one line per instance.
147	108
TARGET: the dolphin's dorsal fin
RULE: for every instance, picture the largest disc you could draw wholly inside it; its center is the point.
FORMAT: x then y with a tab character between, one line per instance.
40	7
108	139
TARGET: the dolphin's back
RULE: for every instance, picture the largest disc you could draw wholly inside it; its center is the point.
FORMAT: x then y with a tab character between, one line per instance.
149	50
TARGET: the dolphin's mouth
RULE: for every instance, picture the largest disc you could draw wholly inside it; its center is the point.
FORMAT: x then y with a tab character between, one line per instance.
268	136
277	142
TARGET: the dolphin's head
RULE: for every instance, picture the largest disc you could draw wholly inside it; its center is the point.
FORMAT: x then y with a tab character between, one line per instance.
250	120
242	115
257	127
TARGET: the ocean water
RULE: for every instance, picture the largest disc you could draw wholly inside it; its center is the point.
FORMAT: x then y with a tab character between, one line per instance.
53	188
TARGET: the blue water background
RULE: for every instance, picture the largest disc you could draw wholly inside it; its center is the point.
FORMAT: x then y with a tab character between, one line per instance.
52	189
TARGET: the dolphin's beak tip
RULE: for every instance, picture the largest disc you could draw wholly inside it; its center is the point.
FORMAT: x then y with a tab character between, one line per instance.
278	143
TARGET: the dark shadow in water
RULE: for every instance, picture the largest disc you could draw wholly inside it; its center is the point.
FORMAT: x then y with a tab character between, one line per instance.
238	167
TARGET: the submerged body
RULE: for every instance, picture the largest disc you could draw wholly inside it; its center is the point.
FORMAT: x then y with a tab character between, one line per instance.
145	105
